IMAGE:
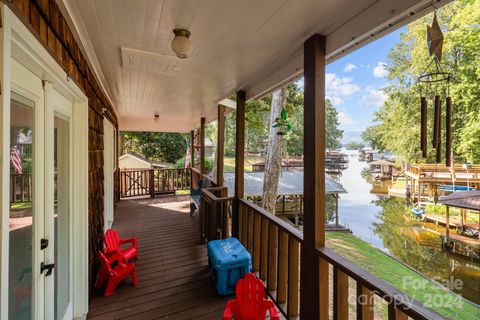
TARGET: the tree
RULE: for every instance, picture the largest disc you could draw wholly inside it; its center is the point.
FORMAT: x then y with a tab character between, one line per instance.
158	146
355	145
333	135
373	136
294	107
397	123
274	153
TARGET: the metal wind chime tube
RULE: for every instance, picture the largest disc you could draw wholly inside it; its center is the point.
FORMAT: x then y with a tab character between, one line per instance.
438	132
423	124
436	107
448	132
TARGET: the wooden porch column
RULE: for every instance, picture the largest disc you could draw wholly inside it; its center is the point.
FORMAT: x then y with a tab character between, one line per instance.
239	157
192	149
202	145
314	275
220	144
447	222
336	209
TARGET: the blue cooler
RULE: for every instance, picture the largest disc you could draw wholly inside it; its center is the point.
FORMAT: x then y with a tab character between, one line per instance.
229	261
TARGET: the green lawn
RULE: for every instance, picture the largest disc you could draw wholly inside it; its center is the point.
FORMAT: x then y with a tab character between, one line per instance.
399	184
20	205
229	163
440	211
395	273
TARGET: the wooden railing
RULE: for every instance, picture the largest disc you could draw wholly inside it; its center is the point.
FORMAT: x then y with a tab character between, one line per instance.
20	187
151	182
432	169
275	246
196	175
215	209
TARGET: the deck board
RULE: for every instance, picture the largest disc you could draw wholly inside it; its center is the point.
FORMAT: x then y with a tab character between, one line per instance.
172	268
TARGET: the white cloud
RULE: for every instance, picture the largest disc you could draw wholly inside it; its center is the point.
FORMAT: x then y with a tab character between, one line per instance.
345	119
349	67
380	71
336	101
373	98
339	86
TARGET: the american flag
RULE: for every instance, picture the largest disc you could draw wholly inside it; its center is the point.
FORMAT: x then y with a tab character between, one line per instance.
187	157
16	161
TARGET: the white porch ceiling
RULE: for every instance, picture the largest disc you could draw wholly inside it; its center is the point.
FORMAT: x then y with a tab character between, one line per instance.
253	45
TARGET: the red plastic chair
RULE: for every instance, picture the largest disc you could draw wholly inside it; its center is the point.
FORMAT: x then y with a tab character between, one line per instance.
110	277
113	244
250	303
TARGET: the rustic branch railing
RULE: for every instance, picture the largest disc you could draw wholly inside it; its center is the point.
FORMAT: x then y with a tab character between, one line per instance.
214	214
21	187
151	182
275	247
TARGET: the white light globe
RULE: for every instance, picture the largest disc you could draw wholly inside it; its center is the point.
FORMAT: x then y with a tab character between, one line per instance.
182	46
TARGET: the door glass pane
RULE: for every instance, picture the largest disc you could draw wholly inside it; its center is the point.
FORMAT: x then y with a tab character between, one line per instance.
61	218
21	204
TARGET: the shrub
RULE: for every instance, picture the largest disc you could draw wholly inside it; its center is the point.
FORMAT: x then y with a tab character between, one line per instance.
208	164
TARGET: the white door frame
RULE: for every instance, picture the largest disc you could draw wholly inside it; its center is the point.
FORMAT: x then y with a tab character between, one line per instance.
16	41
56	105
108	173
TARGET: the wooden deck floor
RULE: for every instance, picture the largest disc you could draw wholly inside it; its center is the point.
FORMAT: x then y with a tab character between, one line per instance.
172	267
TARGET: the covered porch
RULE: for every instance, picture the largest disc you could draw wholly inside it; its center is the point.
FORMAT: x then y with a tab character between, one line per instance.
172	268
242	49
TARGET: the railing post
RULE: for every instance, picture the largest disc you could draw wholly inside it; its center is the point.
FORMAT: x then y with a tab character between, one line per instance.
364	303
220	144
239	158
192	149
314	277
151	183
340	294
202	145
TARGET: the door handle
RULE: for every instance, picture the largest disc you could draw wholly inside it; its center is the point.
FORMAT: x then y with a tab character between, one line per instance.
43	244
48	267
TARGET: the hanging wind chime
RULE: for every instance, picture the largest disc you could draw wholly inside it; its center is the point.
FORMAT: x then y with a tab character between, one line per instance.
282	123
435	83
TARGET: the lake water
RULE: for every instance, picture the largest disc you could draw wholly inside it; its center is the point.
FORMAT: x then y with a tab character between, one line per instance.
381	221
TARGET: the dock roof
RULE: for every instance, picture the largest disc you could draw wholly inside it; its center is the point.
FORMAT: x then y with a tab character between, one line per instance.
463	199
290	183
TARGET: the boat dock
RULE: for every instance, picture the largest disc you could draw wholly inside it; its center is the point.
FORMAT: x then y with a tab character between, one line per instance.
442	221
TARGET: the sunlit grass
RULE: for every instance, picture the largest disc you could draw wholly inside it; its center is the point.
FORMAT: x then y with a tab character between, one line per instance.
229	163
398	275
20	205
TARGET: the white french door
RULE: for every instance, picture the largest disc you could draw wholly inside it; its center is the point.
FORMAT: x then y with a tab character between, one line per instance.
58	208
40	220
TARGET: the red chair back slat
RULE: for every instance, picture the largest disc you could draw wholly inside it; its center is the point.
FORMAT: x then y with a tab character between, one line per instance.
250	294
112	241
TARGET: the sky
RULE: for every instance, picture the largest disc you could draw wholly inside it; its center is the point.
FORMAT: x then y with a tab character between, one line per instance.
354	83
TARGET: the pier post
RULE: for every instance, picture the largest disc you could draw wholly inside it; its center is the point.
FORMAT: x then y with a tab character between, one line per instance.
447	223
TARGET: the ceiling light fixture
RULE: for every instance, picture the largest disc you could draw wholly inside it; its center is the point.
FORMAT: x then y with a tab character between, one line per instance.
181	44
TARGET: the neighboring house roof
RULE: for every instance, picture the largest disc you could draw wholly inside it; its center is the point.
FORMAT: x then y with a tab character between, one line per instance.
290	183
382	163
145	160
209	143
463	199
